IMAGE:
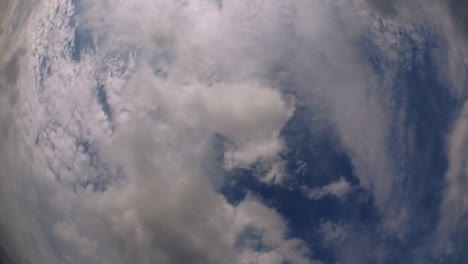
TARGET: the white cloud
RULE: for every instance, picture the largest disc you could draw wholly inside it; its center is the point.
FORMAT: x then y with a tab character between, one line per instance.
332	232
249	114
454	205
175	74
339	189
172	81
140	186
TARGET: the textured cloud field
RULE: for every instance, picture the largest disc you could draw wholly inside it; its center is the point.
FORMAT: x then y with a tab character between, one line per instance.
233	131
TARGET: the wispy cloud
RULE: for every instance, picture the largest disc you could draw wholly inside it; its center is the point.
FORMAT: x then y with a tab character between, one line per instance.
339	189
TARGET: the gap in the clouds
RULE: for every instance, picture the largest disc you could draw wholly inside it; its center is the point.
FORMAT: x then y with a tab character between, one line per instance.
45	70
102	100
422	113
82	42
422	109
101	181
80	7
431	112
312	159
305	217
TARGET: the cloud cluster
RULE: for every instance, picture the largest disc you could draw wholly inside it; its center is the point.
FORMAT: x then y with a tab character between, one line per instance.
119	120
130	174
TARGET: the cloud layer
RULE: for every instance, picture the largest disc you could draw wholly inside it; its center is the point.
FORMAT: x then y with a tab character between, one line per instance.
119	121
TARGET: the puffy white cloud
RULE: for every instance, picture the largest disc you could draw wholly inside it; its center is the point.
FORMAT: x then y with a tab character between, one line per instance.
248	114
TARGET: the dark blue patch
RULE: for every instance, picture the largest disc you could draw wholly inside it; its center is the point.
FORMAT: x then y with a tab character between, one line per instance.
90	150
313	159
102	100
304	216
82	42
